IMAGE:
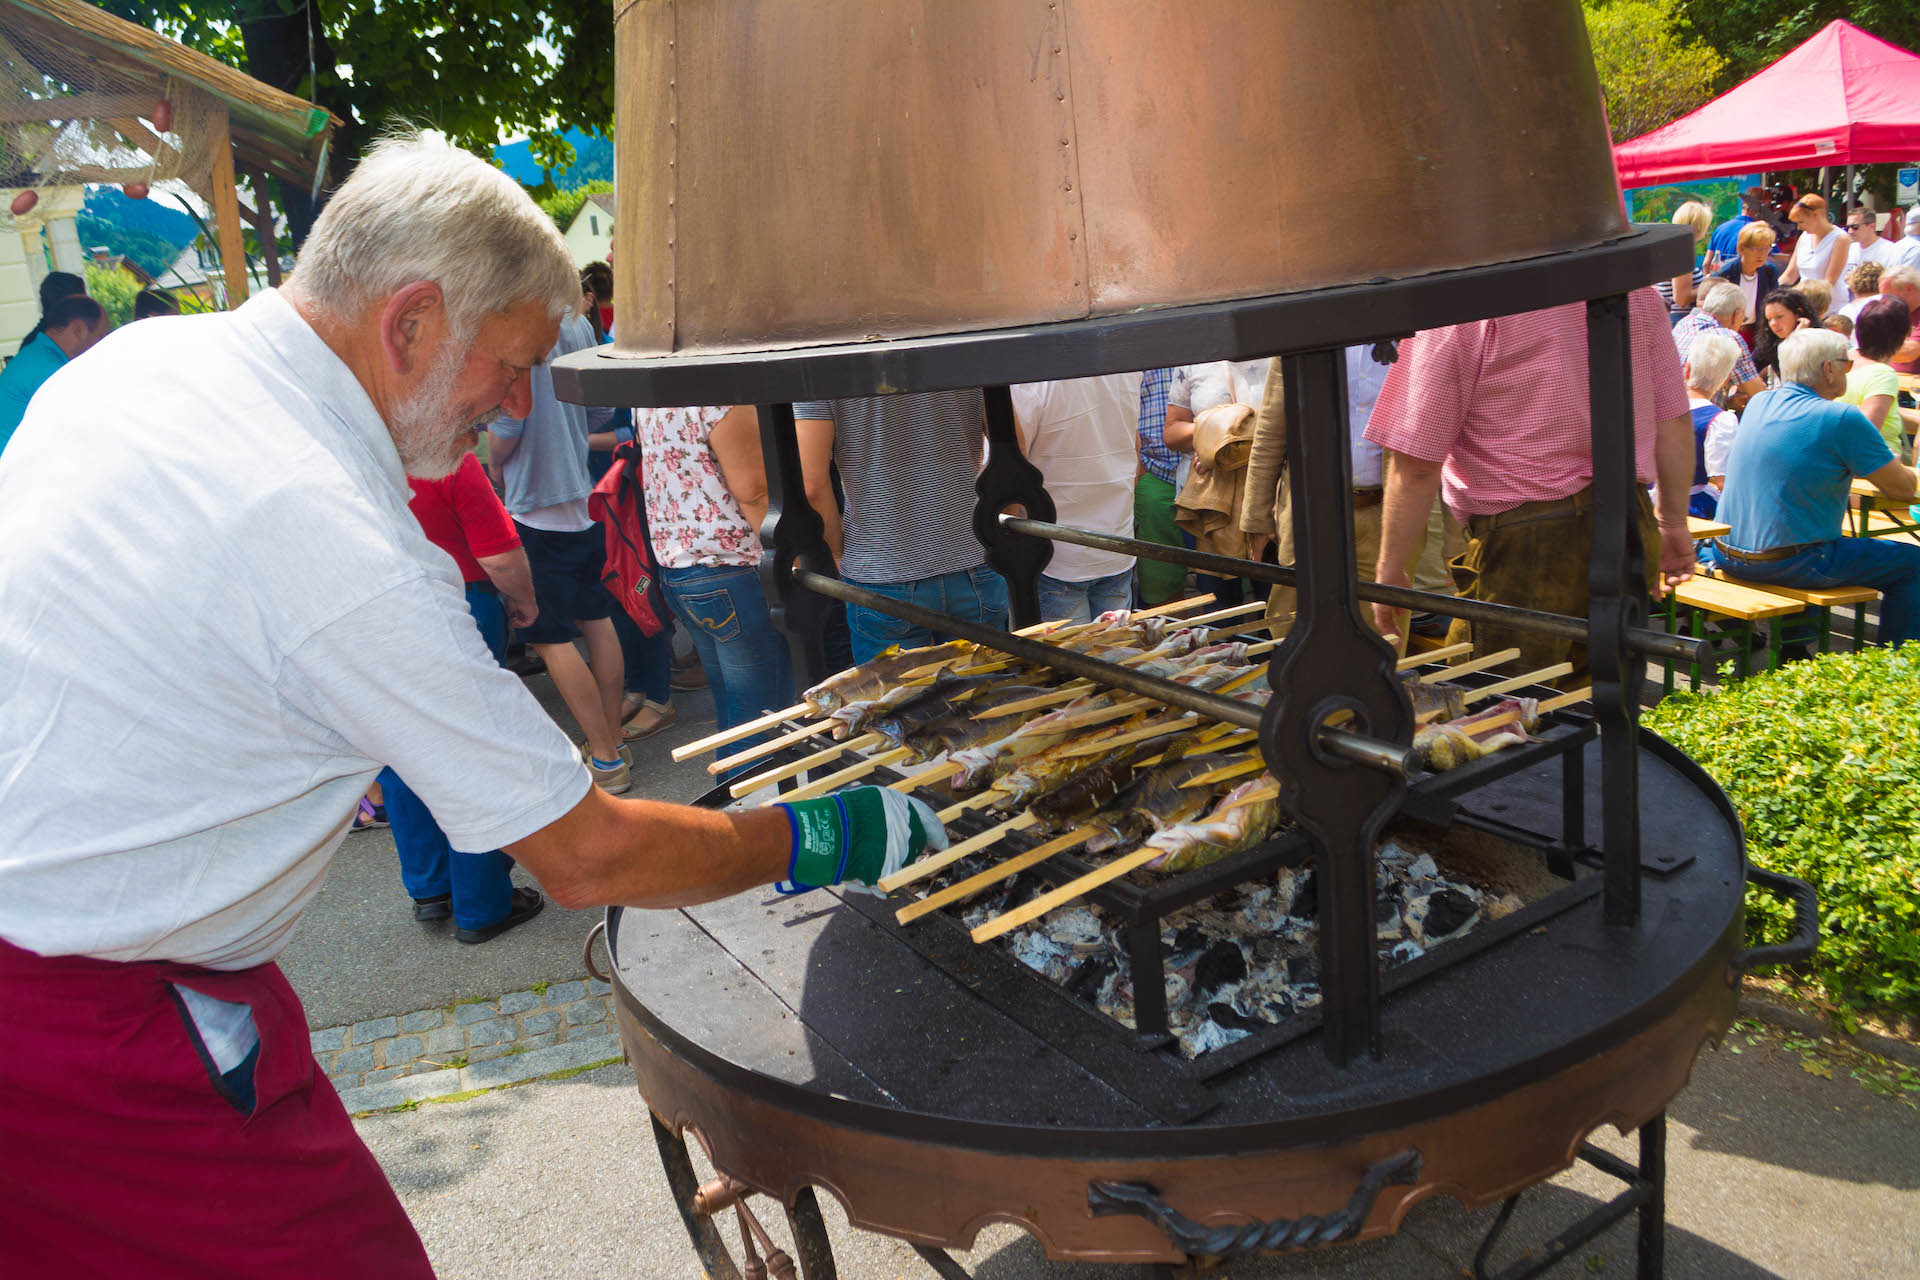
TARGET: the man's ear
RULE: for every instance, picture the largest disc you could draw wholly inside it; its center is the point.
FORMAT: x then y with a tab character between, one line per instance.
410	323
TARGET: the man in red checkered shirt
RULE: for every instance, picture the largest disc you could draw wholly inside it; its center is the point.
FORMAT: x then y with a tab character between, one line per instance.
1493	415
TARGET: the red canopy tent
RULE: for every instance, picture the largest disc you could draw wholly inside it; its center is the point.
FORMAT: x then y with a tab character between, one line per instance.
1843	97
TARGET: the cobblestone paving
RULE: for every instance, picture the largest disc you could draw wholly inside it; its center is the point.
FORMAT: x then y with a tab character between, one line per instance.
386	1062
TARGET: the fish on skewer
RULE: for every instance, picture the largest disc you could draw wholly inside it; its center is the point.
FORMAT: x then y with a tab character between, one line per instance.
1465	739
1246	816
1070	759
945	696
980	764
1079	797
1152	801
876	677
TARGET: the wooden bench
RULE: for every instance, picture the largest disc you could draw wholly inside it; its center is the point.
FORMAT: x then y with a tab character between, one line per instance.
1735	601
1872	514
1825	599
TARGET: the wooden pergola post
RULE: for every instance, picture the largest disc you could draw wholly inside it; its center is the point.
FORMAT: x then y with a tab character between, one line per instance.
226	205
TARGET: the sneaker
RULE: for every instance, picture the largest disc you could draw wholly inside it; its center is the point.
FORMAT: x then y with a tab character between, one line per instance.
435	908
527	903
649	719
613	781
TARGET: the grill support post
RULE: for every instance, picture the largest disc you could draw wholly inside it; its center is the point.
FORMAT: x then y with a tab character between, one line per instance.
1332	662
1617	590
1010	480
793	535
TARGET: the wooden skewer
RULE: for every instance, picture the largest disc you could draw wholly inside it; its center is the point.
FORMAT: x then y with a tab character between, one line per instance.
1238	769
847	774
1064	894
1519	682
1246	677
747	785
1143	734
771	746
1471	666
927	866
1413	660
1238	739
926	777
1565	700
1244	629
1052	697
994	874
966	806
1221	615
739	731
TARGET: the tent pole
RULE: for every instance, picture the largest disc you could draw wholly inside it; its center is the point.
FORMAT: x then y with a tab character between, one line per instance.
1824	170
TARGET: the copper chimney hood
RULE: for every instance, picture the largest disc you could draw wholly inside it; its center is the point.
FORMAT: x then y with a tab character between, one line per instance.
800	172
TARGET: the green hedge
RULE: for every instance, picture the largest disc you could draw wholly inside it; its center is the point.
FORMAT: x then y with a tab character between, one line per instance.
1822	761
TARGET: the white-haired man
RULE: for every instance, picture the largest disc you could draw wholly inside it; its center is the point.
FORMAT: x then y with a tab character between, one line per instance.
217	621
1788	476
1722	308
1904	283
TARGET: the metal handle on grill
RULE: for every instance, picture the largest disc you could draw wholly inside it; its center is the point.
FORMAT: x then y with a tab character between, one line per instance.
1106	1199
1806	922
586	952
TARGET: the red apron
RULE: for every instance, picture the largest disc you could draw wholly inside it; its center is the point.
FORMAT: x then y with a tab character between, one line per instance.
118	1157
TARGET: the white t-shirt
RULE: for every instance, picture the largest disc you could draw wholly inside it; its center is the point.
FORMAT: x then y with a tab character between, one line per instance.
1906	251
1083	434
218	619
1884	252
1813	258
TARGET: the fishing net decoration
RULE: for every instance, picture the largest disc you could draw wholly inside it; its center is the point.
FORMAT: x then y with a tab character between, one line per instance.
90	149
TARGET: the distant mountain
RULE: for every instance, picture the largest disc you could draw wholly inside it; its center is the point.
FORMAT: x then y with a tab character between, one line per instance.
148	231
592	159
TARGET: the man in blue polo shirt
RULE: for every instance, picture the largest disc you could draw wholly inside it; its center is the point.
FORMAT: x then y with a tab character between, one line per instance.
68	328
1788	478
1724	246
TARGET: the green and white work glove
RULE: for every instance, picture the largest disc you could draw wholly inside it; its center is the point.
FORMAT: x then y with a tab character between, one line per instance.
857	837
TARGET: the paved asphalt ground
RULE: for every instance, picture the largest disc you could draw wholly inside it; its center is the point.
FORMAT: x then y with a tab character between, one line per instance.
1774	1172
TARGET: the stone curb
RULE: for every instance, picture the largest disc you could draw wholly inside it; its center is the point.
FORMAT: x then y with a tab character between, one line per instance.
383	1053
1789	1018
488	1075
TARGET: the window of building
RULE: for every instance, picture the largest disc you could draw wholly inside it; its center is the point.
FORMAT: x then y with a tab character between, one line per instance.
593	223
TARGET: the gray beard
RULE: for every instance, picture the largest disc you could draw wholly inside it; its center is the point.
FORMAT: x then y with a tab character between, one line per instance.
429	444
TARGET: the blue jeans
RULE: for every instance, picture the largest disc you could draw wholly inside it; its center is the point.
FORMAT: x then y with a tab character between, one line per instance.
748	664
1062	601
975	595
429	866
648	658
1891	567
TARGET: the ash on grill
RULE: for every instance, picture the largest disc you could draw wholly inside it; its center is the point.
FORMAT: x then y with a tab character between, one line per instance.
1247	958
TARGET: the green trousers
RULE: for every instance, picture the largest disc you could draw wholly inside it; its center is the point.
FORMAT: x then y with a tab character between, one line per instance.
1153	522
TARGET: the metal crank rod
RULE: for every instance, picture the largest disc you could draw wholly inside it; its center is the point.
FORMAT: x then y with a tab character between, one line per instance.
1389	757
1656	644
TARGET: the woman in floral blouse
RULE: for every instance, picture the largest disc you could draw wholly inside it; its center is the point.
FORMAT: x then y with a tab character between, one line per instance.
706	490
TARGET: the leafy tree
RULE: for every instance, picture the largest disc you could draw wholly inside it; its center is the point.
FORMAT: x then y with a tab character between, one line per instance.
564	206
1751	34
1653	70
474	71
114	289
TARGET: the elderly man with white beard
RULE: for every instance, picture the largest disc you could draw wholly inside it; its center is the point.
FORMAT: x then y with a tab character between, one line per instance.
218	620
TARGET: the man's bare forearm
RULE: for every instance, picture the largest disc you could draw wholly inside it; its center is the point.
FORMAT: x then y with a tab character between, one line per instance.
1673	470
509	573
1412	485
644	853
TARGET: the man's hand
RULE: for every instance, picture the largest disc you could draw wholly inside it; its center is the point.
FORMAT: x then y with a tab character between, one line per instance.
859	836
1677	558
521	610
1257	544
1387	620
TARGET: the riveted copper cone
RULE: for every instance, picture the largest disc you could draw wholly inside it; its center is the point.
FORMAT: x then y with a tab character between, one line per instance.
809	171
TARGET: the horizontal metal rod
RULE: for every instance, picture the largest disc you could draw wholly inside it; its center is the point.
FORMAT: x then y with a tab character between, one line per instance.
1378	754
1655	644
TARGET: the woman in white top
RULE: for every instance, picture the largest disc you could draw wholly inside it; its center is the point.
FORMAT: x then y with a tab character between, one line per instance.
1820	253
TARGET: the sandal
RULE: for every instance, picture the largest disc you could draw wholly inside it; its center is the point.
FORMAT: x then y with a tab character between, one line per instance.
371	817
649	719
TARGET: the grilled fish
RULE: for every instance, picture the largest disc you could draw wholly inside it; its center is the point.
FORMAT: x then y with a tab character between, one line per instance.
958	730
1246	816
874	678
1091	789
1153	801
1466	738
991	759
922	707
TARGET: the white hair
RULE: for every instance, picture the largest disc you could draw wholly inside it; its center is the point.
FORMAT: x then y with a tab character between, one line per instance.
417	208
1710	358
1723	300
1805	350
1903	277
